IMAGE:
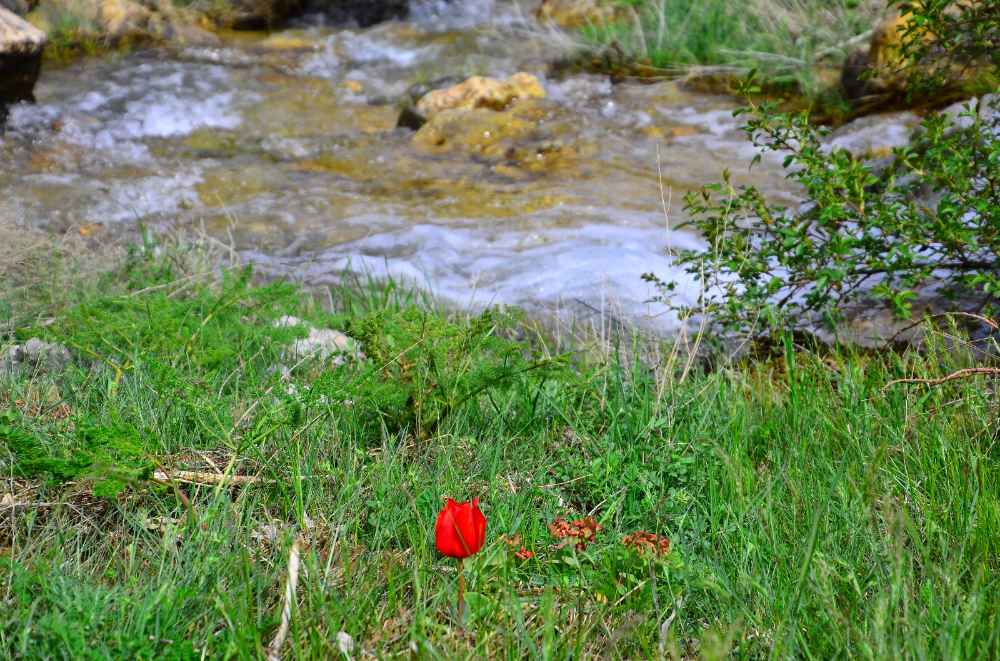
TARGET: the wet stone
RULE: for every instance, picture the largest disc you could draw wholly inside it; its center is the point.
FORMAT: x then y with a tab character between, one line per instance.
410	118
21	45
482	92
477	129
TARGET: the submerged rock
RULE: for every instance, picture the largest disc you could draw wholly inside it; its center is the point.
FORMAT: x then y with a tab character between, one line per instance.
21	45
478	128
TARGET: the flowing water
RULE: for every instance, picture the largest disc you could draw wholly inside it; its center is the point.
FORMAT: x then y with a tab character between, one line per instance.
284	144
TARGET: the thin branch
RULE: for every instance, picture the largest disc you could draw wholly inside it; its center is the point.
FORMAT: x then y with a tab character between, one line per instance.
960	374
273	653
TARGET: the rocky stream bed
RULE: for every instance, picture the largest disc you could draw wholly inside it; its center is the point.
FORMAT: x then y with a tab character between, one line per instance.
286	144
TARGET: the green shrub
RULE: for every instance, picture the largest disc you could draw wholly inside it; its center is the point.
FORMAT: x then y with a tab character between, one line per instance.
926	219
423	367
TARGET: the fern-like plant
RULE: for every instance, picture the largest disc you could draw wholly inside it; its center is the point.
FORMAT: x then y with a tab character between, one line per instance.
424	367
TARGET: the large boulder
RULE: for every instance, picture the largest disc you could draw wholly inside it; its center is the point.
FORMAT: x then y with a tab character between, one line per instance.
21	45
868	73
874	77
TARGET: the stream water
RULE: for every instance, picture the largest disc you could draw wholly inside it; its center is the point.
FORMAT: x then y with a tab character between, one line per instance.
283	144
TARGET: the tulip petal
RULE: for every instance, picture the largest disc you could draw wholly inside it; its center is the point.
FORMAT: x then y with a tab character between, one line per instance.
479	525
460	530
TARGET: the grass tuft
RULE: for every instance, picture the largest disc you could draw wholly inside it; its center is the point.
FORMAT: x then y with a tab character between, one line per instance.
798	45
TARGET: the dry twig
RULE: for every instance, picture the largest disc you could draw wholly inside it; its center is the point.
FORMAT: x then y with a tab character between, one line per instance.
273	653
190	477
960	374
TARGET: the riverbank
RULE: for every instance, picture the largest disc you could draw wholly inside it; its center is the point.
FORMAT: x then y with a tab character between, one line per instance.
809	511
832	56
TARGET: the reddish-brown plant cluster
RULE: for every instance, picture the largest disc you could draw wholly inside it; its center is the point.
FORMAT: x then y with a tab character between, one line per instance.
582	530
519	553
643	542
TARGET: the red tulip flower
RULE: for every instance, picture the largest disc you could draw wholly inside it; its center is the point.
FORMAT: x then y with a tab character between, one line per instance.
459	533
460	530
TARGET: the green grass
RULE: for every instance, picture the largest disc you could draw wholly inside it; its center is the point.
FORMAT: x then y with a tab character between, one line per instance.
811	514
797	43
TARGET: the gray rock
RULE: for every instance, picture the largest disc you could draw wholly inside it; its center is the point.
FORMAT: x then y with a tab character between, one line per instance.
19	7
35	355
21	45
321	344
988	109
874	134
282	370
34	350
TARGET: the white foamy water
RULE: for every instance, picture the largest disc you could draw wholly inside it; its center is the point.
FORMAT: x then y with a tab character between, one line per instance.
116	112
567	272
287	145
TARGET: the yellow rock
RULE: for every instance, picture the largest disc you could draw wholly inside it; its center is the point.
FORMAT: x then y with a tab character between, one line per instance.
576	13
478	128
886	39
682	130
531	156
287	41
874	73
509	171
482	92
111	19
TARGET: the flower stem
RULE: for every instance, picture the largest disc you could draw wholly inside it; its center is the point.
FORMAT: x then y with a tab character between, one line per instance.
461	589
